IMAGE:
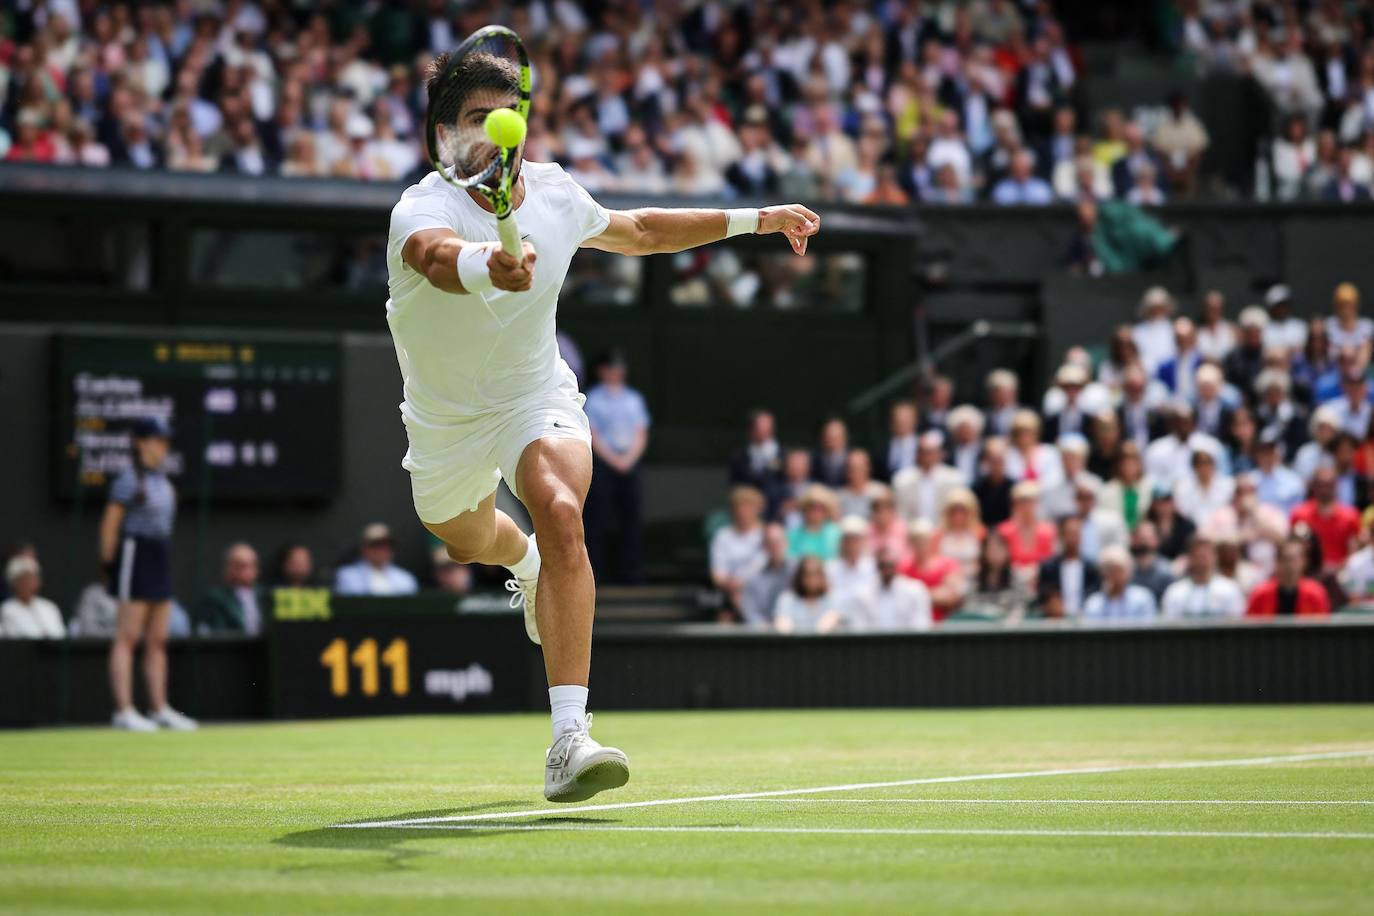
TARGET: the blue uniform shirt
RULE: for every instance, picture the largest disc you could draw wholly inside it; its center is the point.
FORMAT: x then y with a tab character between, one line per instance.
617	416
150	515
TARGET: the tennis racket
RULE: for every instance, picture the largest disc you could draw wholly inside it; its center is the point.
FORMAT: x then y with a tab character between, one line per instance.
487	72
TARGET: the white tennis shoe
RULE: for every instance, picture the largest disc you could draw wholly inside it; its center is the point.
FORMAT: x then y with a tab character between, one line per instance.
169	718
576	767
131	720
522	592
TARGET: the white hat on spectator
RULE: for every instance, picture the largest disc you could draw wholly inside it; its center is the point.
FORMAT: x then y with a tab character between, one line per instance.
1252	316
1209	372
966	414
1209	447
1116	555
1323	416
1026	489
1087	482
853	527
1155	297
1006	120
20	566
920	528
1272	378
1073	444
358	126
1071	375
1002	378
756	114
376	533
1277	295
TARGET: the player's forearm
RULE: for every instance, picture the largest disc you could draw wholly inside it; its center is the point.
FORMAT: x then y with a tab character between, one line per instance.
454	265
662	231
439	264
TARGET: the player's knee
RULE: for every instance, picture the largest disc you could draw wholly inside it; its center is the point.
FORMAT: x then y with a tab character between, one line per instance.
560	529
473	547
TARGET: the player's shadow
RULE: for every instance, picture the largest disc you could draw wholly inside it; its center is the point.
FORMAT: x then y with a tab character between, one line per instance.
388	840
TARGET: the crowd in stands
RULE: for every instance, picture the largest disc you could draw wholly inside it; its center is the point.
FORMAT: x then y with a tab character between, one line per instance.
1316	65
1202	468
887	103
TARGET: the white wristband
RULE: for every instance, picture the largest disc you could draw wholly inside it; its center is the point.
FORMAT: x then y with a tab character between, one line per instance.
740	221
473	271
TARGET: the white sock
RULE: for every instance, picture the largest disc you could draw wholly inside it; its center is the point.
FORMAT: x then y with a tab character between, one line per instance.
528	566
569	705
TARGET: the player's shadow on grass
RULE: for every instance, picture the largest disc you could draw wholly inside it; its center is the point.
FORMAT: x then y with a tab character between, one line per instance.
386	840
389	840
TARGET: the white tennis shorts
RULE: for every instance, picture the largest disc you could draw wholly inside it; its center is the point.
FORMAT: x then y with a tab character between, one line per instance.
456	464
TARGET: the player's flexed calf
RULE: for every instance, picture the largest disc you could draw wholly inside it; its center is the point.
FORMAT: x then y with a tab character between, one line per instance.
487	394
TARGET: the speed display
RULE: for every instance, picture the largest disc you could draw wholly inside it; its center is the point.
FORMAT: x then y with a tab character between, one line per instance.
252	419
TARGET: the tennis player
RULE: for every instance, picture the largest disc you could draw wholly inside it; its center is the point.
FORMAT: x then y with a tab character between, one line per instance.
487	395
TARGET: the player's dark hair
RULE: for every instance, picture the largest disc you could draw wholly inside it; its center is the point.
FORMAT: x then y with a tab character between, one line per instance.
474	72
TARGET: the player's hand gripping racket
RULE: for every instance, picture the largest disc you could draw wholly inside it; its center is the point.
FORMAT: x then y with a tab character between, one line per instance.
476	121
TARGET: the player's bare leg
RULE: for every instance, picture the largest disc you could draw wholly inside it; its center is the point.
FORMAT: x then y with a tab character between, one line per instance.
485	535
489	536
553	478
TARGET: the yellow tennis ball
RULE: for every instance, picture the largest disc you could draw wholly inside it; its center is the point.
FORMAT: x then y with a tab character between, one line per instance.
505	127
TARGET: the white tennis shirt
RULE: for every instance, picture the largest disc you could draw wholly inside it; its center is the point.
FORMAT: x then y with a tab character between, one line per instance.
463	355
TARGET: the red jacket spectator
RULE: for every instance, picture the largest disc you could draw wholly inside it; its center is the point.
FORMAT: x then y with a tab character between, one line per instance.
1335	525
1029	539
1311	599
1030	552
932	574
32	145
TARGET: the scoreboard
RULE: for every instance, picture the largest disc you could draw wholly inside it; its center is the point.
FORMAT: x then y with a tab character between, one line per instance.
252	418
362	656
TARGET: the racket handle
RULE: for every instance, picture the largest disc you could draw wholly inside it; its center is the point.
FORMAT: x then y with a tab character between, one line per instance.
510	235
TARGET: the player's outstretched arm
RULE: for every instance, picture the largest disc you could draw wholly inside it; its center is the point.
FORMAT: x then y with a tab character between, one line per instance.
653	230
456	266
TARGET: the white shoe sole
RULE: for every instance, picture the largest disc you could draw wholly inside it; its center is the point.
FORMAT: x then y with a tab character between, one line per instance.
611	773
531	624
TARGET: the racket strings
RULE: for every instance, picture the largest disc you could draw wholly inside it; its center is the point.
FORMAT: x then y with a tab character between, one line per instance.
488	75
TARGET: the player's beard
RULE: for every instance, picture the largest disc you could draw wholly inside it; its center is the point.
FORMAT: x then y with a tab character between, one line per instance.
477	155
479	160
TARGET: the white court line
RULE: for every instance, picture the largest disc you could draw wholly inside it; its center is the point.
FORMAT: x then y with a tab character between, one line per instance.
898	831
860	786
1060	801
